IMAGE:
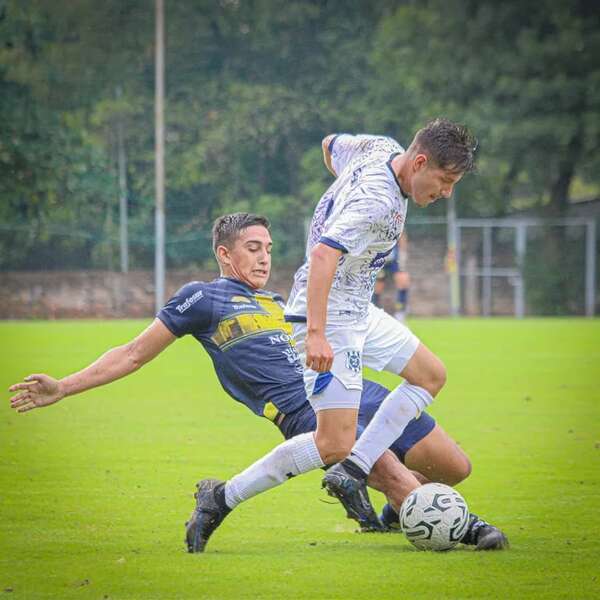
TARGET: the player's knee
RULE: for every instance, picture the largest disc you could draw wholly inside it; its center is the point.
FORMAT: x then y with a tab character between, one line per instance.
436	377
440	376
461	469
465	469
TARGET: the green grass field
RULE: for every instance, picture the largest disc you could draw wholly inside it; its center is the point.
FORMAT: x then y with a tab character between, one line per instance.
95	491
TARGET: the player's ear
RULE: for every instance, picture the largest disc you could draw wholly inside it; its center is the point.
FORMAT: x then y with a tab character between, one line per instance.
223	255
420	161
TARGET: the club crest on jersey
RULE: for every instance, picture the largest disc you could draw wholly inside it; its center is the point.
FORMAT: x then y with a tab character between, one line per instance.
353	361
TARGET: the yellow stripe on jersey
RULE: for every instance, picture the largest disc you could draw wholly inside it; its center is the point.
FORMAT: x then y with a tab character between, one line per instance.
234	329
273	308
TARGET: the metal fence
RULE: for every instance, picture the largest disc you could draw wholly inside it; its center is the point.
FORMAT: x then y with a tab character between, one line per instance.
529	256
470	267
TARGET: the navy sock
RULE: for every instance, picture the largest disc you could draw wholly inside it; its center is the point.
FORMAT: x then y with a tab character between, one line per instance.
401	299
354	469
472	533
389	515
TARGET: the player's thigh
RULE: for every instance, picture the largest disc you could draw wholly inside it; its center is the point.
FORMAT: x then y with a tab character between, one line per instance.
439	458
387	342
402	280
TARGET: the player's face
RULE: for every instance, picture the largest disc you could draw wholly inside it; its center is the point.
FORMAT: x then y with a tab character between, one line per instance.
250	258
430	183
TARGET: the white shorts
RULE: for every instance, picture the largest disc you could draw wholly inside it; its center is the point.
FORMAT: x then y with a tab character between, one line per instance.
379	342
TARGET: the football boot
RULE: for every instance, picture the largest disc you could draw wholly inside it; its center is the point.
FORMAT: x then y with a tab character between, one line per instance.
351	490
484	536
207	516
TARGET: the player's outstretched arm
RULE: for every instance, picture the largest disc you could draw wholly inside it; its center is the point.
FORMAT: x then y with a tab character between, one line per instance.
40	390
326	154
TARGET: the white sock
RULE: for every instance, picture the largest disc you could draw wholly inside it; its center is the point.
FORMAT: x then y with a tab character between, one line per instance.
397	409
293	457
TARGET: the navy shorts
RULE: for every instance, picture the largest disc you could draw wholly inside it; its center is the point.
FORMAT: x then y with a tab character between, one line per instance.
304	420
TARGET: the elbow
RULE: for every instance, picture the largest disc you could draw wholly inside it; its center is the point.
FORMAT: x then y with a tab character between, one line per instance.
324	256
135	359
317	253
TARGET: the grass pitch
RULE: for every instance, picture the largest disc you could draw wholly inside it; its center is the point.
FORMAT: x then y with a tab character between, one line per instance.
95	491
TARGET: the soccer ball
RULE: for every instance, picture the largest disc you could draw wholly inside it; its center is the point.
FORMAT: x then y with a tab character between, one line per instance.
434	517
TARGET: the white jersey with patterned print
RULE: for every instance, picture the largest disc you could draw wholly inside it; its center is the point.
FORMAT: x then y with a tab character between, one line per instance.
362	214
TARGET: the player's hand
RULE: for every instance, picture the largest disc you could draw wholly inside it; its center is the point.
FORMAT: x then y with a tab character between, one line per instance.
37	390
319	355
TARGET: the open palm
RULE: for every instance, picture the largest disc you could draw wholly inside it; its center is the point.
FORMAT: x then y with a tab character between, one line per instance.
36	391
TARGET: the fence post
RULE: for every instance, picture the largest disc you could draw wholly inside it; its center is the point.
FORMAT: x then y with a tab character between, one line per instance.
159	159
487	270
520	245
590	268
452	266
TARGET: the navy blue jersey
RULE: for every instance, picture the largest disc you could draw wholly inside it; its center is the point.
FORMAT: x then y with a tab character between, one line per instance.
250	344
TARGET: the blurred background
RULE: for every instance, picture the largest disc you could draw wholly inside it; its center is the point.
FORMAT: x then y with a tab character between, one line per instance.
251	88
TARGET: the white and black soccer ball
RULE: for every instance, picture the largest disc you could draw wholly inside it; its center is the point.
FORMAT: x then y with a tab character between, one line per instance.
434	517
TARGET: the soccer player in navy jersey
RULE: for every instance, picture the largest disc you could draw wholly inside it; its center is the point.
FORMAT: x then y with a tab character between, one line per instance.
242	328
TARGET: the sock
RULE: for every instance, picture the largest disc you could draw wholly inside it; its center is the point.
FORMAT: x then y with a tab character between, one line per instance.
220	498
293	457
354	469
389	516
399	407
472	532
401	300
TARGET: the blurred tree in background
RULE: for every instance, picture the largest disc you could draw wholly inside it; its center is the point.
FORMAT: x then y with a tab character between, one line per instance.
252	87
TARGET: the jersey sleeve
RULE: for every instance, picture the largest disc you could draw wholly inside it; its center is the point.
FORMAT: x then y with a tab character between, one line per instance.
364	221
188	311
343	147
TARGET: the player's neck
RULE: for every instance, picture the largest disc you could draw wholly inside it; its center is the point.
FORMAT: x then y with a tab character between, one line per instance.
232	276
400	168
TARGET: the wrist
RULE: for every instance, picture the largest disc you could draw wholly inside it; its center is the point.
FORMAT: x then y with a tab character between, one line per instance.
315	331
63	390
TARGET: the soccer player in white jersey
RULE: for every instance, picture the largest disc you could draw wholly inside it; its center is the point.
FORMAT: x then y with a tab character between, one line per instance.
337	330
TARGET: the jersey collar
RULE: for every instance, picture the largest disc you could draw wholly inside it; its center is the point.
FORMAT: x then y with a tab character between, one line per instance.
389	165
244	285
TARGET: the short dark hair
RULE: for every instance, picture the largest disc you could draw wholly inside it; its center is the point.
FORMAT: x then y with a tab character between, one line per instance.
227	228
450	145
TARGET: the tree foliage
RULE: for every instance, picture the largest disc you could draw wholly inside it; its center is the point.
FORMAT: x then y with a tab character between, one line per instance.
252	87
